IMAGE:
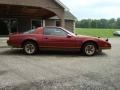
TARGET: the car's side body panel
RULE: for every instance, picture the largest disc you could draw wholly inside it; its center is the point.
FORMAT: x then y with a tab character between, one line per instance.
59	42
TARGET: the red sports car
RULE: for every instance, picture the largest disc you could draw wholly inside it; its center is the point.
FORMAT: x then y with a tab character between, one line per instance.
56	38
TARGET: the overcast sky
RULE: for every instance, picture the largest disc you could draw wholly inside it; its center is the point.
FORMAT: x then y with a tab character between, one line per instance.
96	9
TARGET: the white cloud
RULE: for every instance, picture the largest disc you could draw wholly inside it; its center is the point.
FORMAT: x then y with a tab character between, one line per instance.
80	3
94	8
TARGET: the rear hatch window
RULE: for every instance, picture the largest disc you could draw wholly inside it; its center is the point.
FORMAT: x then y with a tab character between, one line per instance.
29	31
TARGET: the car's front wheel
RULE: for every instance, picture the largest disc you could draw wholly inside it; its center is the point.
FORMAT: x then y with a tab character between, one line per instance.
89	49
30	47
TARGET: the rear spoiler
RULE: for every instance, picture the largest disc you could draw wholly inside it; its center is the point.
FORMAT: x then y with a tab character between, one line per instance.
13	33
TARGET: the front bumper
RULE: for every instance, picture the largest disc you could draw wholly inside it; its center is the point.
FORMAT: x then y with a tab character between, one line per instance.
106	46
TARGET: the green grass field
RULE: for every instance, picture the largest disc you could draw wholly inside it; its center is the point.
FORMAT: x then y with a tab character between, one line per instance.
95	32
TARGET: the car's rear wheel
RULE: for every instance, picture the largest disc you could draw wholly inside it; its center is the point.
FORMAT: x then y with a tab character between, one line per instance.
30	47
89	49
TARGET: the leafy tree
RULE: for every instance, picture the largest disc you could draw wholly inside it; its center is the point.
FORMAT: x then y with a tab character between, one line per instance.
103	23
100	23
77	24
118	23
94	23
84	24
112	23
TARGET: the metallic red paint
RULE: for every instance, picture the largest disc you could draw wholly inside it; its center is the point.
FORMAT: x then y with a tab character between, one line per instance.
56	42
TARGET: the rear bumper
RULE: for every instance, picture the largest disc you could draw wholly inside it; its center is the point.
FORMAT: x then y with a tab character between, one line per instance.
9	43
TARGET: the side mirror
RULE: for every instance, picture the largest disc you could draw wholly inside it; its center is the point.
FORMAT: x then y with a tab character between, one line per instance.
69	36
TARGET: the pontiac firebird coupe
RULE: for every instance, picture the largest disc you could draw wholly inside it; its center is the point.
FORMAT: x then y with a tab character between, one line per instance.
56	38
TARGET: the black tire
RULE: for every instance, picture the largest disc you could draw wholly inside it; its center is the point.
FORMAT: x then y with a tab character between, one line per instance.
89	49
30	47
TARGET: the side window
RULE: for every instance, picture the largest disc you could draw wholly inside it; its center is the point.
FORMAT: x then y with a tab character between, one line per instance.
55	31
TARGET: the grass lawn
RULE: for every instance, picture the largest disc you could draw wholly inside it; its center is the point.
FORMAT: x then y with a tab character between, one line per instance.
95	32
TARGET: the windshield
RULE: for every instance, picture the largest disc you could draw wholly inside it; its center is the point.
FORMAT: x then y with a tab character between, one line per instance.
69	32
29	31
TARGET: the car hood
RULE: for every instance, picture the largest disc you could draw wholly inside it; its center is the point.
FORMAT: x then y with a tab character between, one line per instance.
91	37
84	36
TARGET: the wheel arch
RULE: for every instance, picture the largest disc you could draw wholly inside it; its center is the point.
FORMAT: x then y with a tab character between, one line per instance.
29	40
90	41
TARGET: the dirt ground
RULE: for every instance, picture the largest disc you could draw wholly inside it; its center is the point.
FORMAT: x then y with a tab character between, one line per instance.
60	70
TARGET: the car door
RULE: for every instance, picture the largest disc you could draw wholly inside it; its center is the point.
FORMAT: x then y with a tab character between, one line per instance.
58	38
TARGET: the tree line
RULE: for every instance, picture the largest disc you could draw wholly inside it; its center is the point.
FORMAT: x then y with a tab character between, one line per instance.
99	23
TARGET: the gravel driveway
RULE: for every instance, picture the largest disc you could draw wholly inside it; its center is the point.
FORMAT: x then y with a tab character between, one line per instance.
60	70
